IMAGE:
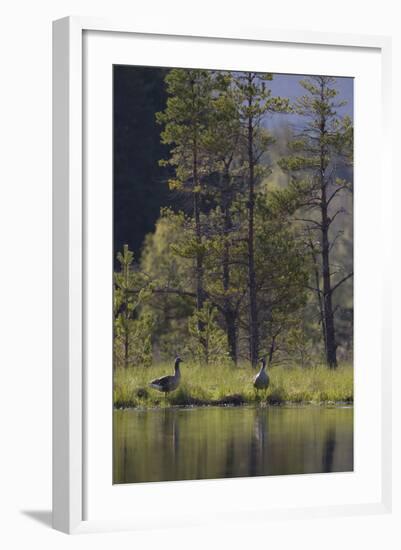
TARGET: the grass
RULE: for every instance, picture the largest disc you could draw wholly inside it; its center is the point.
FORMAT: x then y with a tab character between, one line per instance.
226	385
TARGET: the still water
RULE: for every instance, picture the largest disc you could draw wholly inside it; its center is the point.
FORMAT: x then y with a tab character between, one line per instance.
217	442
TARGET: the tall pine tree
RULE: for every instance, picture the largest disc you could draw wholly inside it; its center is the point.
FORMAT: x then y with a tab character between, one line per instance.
255	101
185	120
325	141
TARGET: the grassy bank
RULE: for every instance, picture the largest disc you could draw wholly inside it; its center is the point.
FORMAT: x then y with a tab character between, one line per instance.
224	385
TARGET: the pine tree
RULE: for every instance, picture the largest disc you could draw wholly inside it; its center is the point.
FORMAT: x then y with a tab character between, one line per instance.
214	347
132	329
254	101
224	187
165	262
185	120
326	140
281	272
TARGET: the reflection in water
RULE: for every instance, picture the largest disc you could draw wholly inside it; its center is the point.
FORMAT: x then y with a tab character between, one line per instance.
217	442
329	448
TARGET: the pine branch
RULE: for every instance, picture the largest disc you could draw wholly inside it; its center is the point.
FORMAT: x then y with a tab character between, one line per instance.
318	224
340	188
341	281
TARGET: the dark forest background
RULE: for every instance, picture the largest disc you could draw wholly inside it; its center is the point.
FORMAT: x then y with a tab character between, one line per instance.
140	187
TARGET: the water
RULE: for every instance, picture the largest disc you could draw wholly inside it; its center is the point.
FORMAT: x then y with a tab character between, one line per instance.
217	442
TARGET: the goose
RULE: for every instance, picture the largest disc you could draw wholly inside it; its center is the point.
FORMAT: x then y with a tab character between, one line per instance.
168	383
261	380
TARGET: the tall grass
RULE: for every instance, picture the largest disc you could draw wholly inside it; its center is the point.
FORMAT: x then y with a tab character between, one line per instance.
220	385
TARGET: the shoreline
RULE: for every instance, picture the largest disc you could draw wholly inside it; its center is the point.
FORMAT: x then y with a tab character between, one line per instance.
231	404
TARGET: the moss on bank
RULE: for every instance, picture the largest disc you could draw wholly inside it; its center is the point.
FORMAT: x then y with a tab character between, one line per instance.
227	385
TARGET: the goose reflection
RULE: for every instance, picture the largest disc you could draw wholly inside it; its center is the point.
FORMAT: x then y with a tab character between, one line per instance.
260	443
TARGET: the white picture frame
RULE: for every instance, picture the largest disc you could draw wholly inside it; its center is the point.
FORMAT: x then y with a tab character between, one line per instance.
71	421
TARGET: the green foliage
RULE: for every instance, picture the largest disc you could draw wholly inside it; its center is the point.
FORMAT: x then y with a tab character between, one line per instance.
325	136
138	334
298	342
254	97
185	122
282	270
132	329
208	342
254	101
171	276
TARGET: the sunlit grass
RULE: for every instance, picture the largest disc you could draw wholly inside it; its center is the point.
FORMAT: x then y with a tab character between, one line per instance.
218	385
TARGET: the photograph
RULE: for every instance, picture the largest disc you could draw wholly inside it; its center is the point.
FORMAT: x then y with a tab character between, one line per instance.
200	344
232	265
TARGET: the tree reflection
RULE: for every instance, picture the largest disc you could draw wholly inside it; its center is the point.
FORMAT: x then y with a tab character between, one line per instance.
216	442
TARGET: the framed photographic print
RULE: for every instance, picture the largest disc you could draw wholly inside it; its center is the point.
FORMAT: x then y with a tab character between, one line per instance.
219	326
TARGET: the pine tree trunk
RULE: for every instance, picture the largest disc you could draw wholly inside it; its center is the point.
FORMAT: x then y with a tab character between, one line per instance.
199	259
229	313
253	314
330	340
271	351
200	297
231	335
319	294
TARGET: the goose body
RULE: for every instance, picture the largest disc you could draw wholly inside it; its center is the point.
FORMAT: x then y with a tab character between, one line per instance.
261	380
168	383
